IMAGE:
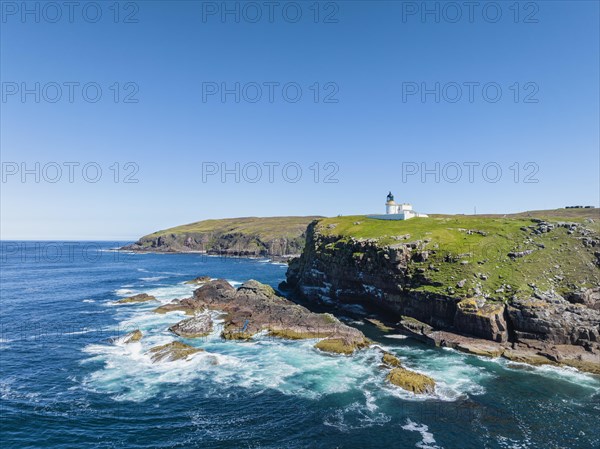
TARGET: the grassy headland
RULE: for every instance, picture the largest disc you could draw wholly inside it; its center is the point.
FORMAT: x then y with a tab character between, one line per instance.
247	236
498	255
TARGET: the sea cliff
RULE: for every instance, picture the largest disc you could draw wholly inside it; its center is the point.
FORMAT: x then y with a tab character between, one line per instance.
246	237
524	287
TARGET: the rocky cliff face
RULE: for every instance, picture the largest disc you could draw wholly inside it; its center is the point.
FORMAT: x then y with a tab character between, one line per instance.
394	279
221	243
249	236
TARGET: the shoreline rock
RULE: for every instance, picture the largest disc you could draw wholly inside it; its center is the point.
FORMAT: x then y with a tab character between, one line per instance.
142	297
254	307
198	326
533	352
172	351
198	280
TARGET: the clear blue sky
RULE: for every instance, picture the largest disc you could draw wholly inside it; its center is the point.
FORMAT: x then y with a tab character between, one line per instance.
371	55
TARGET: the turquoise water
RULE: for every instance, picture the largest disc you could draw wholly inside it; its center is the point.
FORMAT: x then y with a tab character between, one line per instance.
66	384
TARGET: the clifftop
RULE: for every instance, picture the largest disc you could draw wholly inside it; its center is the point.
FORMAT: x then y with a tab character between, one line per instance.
555	249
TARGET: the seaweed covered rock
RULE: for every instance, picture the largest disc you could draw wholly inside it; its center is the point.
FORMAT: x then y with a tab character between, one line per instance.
411	381
390	360
133	337
345	346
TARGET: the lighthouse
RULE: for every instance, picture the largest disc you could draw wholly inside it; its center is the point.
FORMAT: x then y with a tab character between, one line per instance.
397	211
390	205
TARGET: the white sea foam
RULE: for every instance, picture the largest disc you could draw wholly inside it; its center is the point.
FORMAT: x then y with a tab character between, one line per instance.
564	373
295	367
88	300
124	292
234	283
88	331
153	278
427	439
291	367
396	336
454	378
356	416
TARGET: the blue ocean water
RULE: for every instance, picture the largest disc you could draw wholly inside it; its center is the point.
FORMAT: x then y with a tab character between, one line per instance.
65	383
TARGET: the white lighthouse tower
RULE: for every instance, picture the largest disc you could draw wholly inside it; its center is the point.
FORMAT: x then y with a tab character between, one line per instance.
397	211
390	206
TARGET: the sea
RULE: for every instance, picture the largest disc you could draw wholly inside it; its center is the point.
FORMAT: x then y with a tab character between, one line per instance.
67	379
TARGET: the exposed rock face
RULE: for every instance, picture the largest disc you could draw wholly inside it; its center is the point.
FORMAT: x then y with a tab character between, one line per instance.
239	237
545	325
228	244
172	351
198	326
255	307
481	319
589	297
142	297
555	320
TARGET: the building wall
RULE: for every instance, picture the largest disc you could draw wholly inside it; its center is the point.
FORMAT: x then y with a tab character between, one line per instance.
388	217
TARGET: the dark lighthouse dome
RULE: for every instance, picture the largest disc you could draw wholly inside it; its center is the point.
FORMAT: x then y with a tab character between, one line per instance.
390	197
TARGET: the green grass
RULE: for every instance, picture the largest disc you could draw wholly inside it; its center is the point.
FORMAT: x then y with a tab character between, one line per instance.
564	263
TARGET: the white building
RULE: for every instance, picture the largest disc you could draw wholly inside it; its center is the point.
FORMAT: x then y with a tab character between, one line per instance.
397	211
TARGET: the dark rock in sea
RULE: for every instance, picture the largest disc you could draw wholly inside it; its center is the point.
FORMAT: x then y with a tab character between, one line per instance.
255	307
142	297
198	326
170	352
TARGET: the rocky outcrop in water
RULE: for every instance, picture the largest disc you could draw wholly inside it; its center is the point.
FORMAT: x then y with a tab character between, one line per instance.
142	297
170	352
410	380
133	337
198	326
254	308
198	281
